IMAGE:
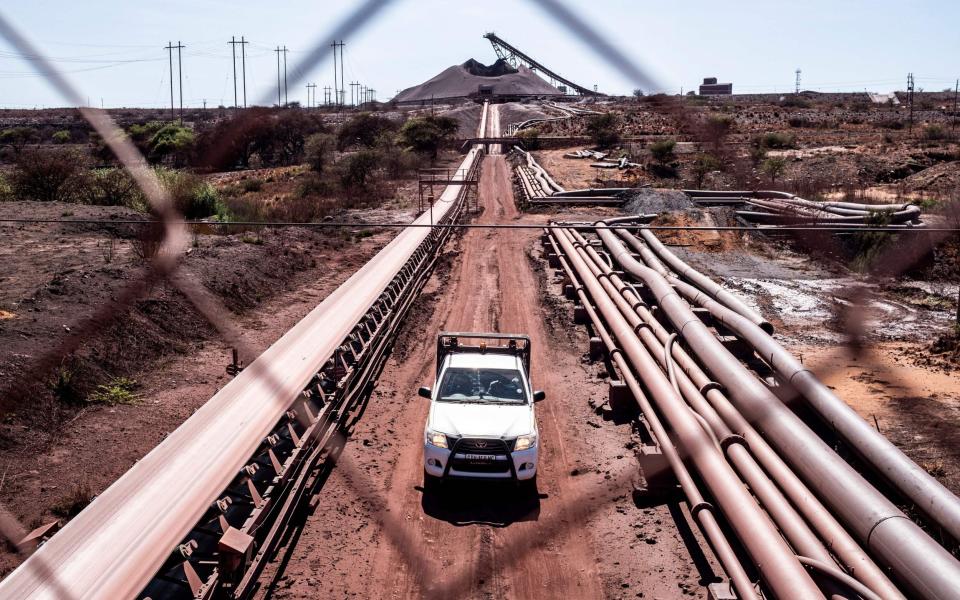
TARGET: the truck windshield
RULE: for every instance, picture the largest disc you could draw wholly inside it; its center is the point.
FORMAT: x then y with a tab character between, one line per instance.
488	386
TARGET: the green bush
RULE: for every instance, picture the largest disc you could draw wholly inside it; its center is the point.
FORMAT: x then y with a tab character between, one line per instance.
773	167
364	131
193	197
313	185
17	138
703	164
662	151
530	138
6	192
426	134
61	137
776	140
318	151
171	142
111	187
356	169
603	129
118	391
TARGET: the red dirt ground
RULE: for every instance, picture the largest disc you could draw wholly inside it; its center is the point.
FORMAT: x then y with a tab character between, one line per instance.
582	536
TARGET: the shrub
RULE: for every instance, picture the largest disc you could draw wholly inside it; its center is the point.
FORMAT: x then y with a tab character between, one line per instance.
602	129
111	187
193	197
364	130
118	391
891	124
773	167
318	151
172	142
6	192
795	101
313	185
935	133
703	164
75	501
777	140
277	137
357	168
426	134
716	128
530	138
47	175
398	164
251	185
61	137
662	151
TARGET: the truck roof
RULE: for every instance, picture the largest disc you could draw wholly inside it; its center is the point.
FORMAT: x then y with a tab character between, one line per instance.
483	360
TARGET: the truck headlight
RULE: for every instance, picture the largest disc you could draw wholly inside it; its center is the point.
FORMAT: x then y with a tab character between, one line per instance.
437	439
525	441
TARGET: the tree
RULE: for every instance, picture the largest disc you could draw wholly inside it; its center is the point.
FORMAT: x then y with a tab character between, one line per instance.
426	134
171	142
17	138
357	169
602	129
638	93
773	167
61	137
318	150
702	165
363	130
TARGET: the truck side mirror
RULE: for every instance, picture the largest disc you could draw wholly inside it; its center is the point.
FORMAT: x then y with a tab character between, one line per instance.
539	395
425	392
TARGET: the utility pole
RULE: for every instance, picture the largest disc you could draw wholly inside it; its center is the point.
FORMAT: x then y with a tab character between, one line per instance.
279	101
169	49
797	87
326	95
286	98
910	97
180	73
243	62
343	88
337	85
311	87
233	46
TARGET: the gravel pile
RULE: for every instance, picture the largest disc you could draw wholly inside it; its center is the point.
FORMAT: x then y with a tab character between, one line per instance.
650	200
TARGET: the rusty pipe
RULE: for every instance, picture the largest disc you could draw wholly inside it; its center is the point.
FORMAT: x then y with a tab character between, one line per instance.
783	513
701	510
928	569
701	281
782	572
816	514
929	495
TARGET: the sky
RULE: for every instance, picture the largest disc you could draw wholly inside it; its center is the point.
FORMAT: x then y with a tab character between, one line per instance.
113	51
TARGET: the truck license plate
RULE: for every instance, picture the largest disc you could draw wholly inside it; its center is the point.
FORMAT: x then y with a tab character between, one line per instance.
479	457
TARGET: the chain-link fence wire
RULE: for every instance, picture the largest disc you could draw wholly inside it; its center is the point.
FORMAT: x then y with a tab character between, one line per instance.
163	267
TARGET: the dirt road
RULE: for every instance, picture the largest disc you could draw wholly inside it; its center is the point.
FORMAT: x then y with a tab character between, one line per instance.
580	536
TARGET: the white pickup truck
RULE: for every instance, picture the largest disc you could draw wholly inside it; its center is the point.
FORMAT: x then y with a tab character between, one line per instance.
481	423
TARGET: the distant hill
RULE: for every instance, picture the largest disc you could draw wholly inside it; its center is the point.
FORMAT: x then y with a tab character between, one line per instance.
461	81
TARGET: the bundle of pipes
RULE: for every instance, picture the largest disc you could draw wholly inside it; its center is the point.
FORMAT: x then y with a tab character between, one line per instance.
811	524
534	179
778	208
